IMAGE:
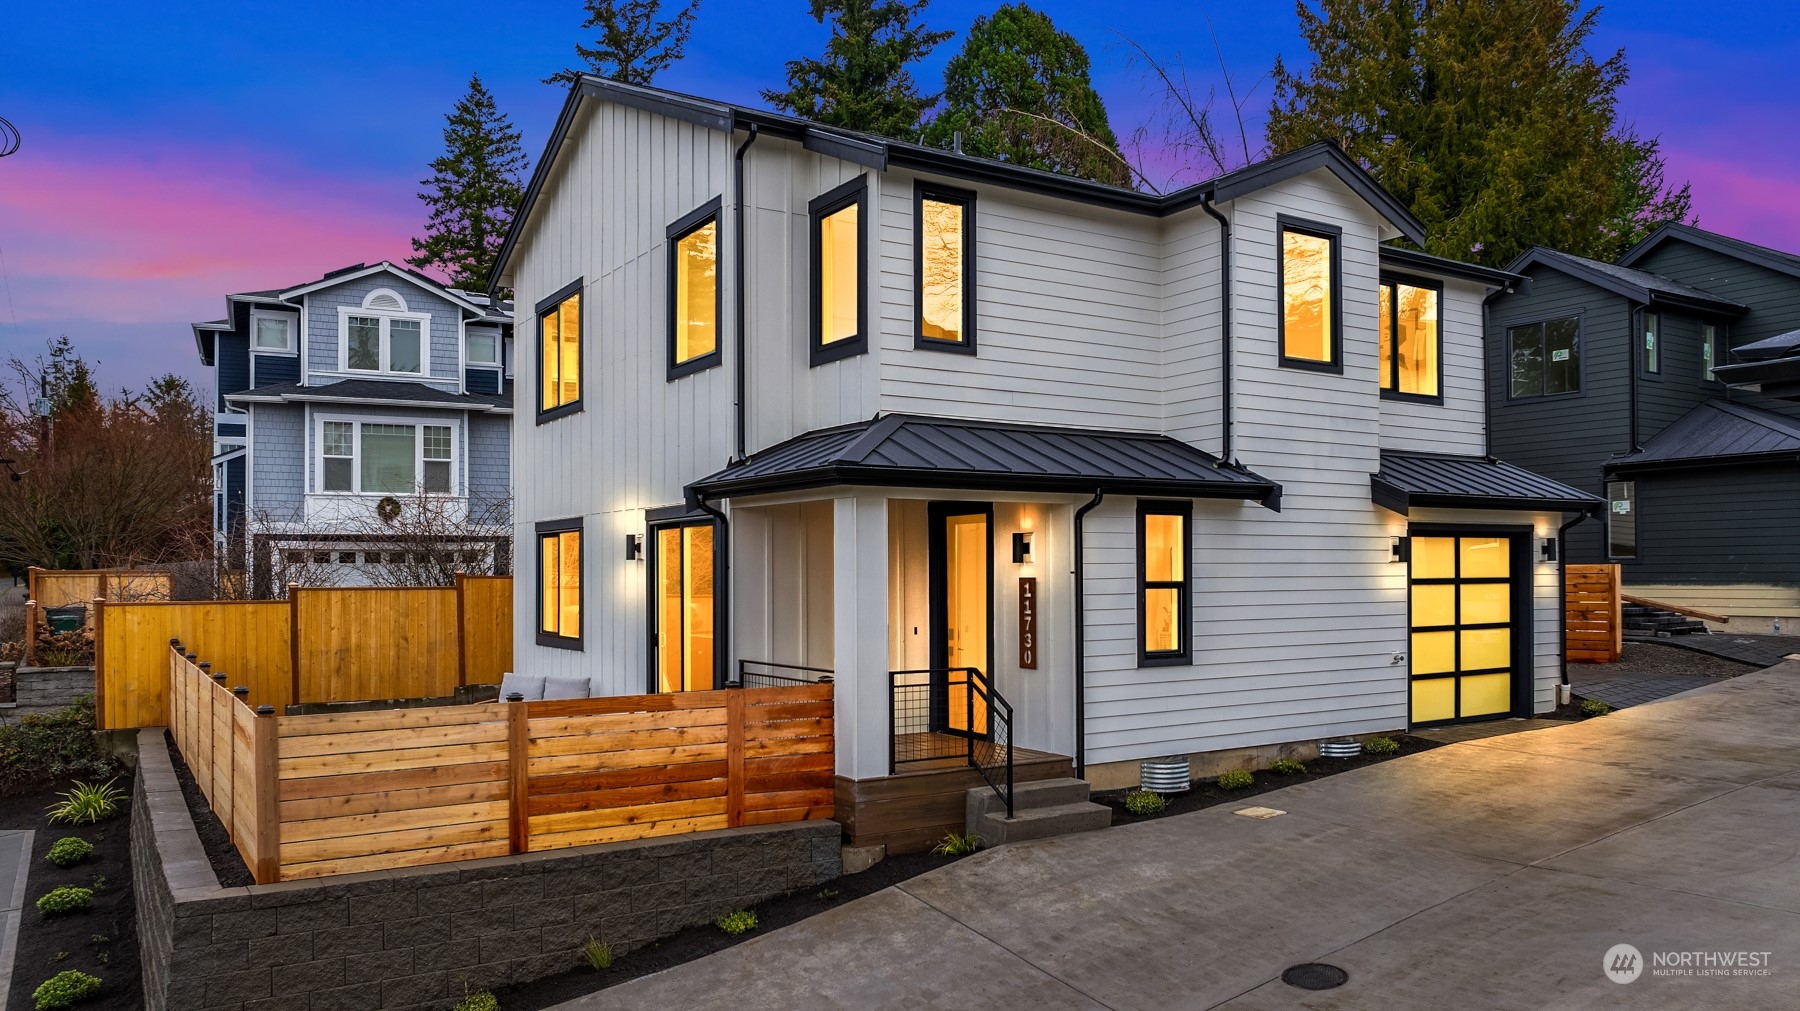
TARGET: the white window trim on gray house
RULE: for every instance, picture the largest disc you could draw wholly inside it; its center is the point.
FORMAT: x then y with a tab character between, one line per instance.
290	322
457	451
385	315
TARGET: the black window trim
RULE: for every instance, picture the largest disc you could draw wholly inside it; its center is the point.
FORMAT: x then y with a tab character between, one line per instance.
923	191
1637	531
684	226
1580	318
1721	350
856	192
544	306
1184	588
1335	235
653	527
1640	323
549	528
1393	281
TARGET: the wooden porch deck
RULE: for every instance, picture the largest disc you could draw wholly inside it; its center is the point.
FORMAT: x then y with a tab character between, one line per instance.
910	811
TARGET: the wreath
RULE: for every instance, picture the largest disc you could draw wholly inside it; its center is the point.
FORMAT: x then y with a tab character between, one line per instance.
388	509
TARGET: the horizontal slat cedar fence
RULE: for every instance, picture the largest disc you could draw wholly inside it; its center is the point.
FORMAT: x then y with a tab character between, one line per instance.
1592	608
354	643
310	796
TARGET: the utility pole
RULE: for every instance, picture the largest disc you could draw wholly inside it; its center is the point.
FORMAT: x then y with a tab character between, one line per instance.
43	413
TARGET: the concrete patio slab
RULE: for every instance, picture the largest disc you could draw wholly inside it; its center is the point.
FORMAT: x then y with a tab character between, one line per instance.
1658	746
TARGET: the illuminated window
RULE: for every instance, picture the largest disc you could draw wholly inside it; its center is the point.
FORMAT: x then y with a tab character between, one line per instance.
559	365
384	458
1163	582
1652	348
681	582
1309	298
559	584
945	268
1544	358
694	291
1621	519
1411	341
839	261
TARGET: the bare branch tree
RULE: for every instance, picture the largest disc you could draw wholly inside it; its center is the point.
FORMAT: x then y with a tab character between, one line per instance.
1186	120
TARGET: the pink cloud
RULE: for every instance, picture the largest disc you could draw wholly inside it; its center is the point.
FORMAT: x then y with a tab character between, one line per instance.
1738	200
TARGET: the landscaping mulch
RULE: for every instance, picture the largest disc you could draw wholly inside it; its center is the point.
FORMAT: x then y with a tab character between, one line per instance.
100	940
226	862
697	942
1207	793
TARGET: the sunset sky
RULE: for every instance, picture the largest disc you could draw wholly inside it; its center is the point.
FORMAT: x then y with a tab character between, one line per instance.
176	152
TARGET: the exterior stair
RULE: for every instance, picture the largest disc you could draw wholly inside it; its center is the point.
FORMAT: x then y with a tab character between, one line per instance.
1049	807
1650	622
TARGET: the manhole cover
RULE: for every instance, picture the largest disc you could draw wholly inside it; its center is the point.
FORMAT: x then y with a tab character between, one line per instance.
1314	976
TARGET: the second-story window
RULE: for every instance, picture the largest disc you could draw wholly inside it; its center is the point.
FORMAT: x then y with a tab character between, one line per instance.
1652	346
840	256
1709	349
379	458
694	291
1411	340
944	268
482	347
1544	359
1310	327
559	364
273	332
382	336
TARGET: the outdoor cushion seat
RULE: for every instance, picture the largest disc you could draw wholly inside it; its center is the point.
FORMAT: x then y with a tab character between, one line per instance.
529	685
565	687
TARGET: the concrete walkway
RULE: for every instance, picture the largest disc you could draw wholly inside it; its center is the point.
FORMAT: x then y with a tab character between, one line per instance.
15	864
1755	650
1491	874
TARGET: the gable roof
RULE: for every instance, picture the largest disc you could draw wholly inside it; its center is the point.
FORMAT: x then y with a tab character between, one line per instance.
1637	285
1716	432
1750	252
1408	480
914	451
882	153
1412	259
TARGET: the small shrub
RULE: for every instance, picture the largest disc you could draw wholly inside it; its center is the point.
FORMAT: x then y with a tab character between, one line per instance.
1381	746
45	748
741	922
1236	779
954	845
1288	767
1145	802
598	953
64	989
480	1000
69	851
64	899
828	893
1594	707
87	803
99	884
59	956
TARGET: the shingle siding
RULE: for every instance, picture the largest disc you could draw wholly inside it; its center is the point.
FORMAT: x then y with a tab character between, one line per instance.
322	337
490	466
278	463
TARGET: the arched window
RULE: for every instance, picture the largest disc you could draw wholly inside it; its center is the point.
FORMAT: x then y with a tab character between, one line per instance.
384	336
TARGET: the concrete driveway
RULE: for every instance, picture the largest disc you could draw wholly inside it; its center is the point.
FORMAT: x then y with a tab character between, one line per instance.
1493	874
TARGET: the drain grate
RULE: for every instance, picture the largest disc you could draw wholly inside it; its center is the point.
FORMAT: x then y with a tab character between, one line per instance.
1314	976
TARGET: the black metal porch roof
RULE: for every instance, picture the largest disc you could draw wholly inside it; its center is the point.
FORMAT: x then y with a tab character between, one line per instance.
1469	482
1716	432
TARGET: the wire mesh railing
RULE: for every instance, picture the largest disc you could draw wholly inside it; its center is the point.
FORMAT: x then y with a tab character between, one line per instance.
950	713
764	674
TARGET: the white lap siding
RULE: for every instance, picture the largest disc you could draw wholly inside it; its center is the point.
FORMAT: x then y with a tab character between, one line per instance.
1456	425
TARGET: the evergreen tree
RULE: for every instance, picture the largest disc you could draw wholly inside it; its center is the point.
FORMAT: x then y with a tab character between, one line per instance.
474	191
1020	90
634	45
862	81
1489	118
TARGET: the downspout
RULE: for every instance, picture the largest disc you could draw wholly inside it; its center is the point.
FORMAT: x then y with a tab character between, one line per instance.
721	591
1634	351
1081	641
737	403
1562	584
1224	330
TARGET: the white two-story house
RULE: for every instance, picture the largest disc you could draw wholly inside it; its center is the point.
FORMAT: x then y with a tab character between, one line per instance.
360	419
1011	457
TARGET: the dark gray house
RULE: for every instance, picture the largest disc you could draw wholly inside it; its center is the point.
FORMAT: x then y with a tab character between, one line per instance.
1605	378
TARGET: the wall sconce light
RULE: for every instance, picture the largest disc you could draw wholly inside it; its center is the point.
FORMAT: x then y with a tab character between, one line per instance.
1021	547
634	547
1548	550
1401	550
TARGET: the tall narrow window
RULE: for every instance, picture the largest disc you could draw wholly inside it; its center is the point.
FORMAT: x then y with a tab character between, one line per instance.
1411	341
1709	347
1163	552
839	261
1544	359
339	456
1309	297
559	584
435	458
694	291
365	343
559	371
682	589
1652	348
1621	519
944	268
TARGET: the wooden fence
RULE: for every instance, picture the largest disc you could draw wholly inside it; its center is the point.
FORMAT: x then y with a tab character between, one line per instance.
1591	601
307	796
58	587
325	644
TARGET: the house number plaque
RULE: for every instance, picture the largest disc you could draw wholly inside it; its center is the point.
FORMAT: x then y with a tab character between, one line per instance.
1028	622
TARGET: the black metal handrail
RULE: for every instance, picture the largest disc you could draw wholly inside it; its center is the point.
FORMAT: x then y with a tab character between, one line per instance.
764	675
920	704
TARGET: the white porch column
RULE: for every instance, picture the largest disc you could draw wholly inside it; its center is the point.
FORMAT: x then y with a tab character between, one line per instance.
860	634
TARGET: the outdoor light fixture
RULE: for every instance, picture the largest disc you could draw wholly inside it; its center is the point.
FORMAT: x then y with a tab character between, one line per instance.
1549	549
1021	547
634	547
1402	549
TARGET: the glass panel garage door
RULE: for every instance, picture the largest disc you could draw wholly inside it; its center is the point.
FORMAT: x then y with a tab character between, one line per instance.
1462	628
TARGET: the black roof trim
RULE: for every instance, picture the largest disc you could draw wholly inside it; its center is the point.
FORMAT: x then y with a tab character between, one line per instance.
851	149
1715	433
1443	266
1323	155
407	392
1411	480
1782	345
1725	245
1638	285
711	115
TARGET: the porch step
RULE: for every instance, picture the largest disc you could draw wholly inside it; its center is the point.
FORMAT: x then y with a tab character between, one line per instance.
1042	809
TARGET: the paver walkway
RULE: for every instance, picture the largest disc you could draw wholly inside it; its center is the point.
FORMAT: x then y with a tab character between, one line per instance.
15	861
1622	691
1755	650
1491	874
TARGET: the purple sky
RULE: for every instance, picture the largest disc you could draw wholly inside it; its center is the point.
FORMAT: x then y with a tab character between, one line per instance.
221	147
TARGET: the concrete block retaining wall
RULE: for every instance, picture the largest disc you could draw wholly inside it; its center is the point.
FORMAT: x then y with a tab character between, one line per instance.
46	689
419	938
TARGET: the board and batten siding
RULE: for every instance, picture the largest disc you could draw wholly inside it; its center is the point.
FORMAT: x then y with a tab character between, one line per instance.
1456	425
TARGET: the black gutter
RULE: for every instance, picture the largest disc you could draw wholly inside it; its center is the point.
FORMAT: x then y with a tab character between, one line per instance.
1224	326
721	590
1562	583
1628	467
738	353
1081	640
1633	355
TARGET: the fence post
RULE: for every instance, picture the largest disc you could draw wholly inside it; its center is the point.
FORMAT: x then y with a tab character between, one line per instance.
31	574
268	797
518	761
462	632
734	757
100	663
1616	592
31	626
294	643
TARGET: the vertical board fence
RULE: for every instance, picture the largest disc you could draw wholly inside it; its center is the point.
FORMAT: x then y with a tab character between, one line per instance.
351	644
46	588
1592	600
308	796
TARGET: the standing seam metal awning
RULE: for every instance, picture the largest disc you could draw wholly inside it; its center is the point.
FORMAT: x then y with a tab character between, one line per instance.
1469	482
913	451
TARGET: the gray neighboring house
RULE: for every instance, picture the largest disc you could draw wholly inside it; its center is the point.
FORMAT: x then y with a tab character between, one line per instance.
370	383
1618	379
